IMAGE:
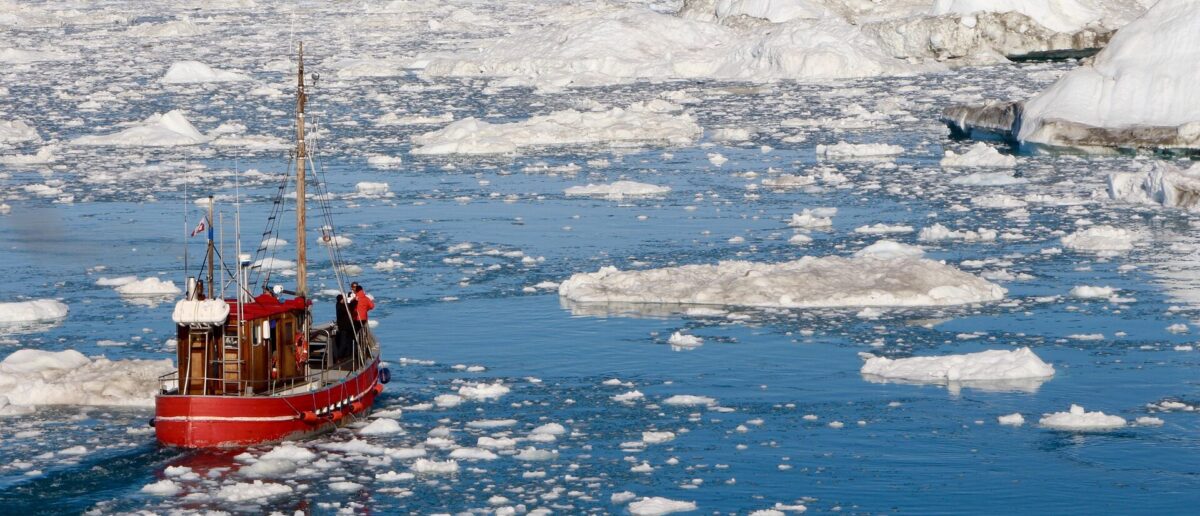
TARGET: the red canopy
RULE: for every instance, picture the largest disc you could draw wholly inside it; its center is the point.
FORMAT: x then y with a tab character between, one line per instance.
266	305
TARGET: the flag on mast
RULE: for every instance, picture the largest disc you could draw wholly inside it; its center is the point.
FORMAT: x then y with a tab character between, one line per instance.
200	227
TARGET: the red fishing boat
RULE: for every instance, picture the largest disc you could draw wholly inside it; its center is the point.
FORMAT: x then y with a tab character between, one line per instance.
255	368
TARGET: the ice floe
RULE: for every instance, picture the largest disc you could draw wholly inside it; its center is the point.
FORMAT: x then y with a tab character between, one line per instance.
979	155
980	368
35	377
1160	184
1100	239
158	130
655	121
194	72
809	282
618	190
1077	419
38	310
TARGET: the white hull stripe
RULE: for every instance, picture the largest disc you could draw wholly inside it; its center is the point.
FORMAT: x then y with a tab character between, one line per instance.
220	418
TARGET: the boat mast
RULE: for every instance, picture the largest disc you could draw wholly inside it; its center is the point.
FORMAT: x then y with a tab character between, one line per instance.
301	164
209	255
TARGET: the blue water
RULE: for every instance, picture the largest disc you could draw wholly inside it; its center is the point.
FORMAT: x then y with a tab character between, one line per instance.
917	449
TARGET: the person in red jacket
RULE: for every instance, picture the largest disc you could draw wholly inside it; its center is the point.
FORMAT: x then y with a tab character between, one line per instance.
362	306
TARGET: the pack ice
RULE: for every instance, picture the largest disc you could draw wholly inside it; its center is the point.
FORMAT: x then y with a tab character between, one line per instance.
35	377
158	130
990	365
889	279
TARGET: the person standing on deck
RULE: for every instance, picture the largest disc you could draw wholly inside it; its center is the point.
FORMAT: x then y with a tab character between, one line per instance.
363	304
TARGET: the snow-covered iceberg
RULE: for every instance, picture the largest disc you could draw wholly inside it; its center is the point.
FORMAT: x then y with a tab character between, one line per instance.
26	312
1018	369
159	130
890	279
1136	94
610	45
656	121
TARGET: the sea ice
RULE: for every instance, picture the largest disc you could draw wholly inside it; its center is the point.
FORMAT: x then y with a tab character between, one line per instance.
809	282
843	150
655	505
158	130
151	286
36	377
990	365
1100	239
618	190
192	72
1159	183
38	310
1079	420
655	121
979	155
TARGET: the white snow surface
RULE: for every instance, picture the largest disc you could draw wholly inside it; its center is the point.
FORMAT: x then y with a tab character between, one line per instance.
20	312
1077	419
654	121
36	377
158	130
193	72
810	282
1056	15
990	365
1147	55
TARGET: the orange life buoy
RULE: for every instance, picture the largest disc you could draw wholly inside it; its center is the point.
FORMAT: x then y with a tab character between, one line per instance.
301	351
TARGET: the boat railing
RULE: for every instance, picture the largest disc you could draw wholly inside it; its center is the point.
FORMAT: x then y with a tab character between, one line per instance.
321	371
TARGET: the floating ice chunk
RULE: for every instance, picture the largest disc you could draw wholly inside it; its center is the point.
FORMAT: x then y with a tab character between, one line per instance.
642	122
998	201
534	454
1100	239
483	391
628	396
657	437
274	264
1089	292
394	119
1078	420
810	219
21	56
890	250
159	130
15	131
618	190
256	492
38	310
1014	419
193	72
433	467
985	366
883	229
385	161
382	426
809	282
1160	183
655	505
35	377
681	340
730	134
938	233
345	487
549	429
447	400
622	497
164	487
979	155
151	286
689	400
392	476
1148	421
843	150
783	181
473	454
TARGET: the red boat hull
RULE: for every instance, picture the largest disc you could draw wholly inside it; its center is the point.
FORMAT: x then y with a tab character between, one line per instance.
236	421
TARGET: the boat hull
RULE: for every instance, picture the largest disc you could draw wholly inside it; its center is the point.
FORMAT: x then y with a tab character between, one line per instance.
192	421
